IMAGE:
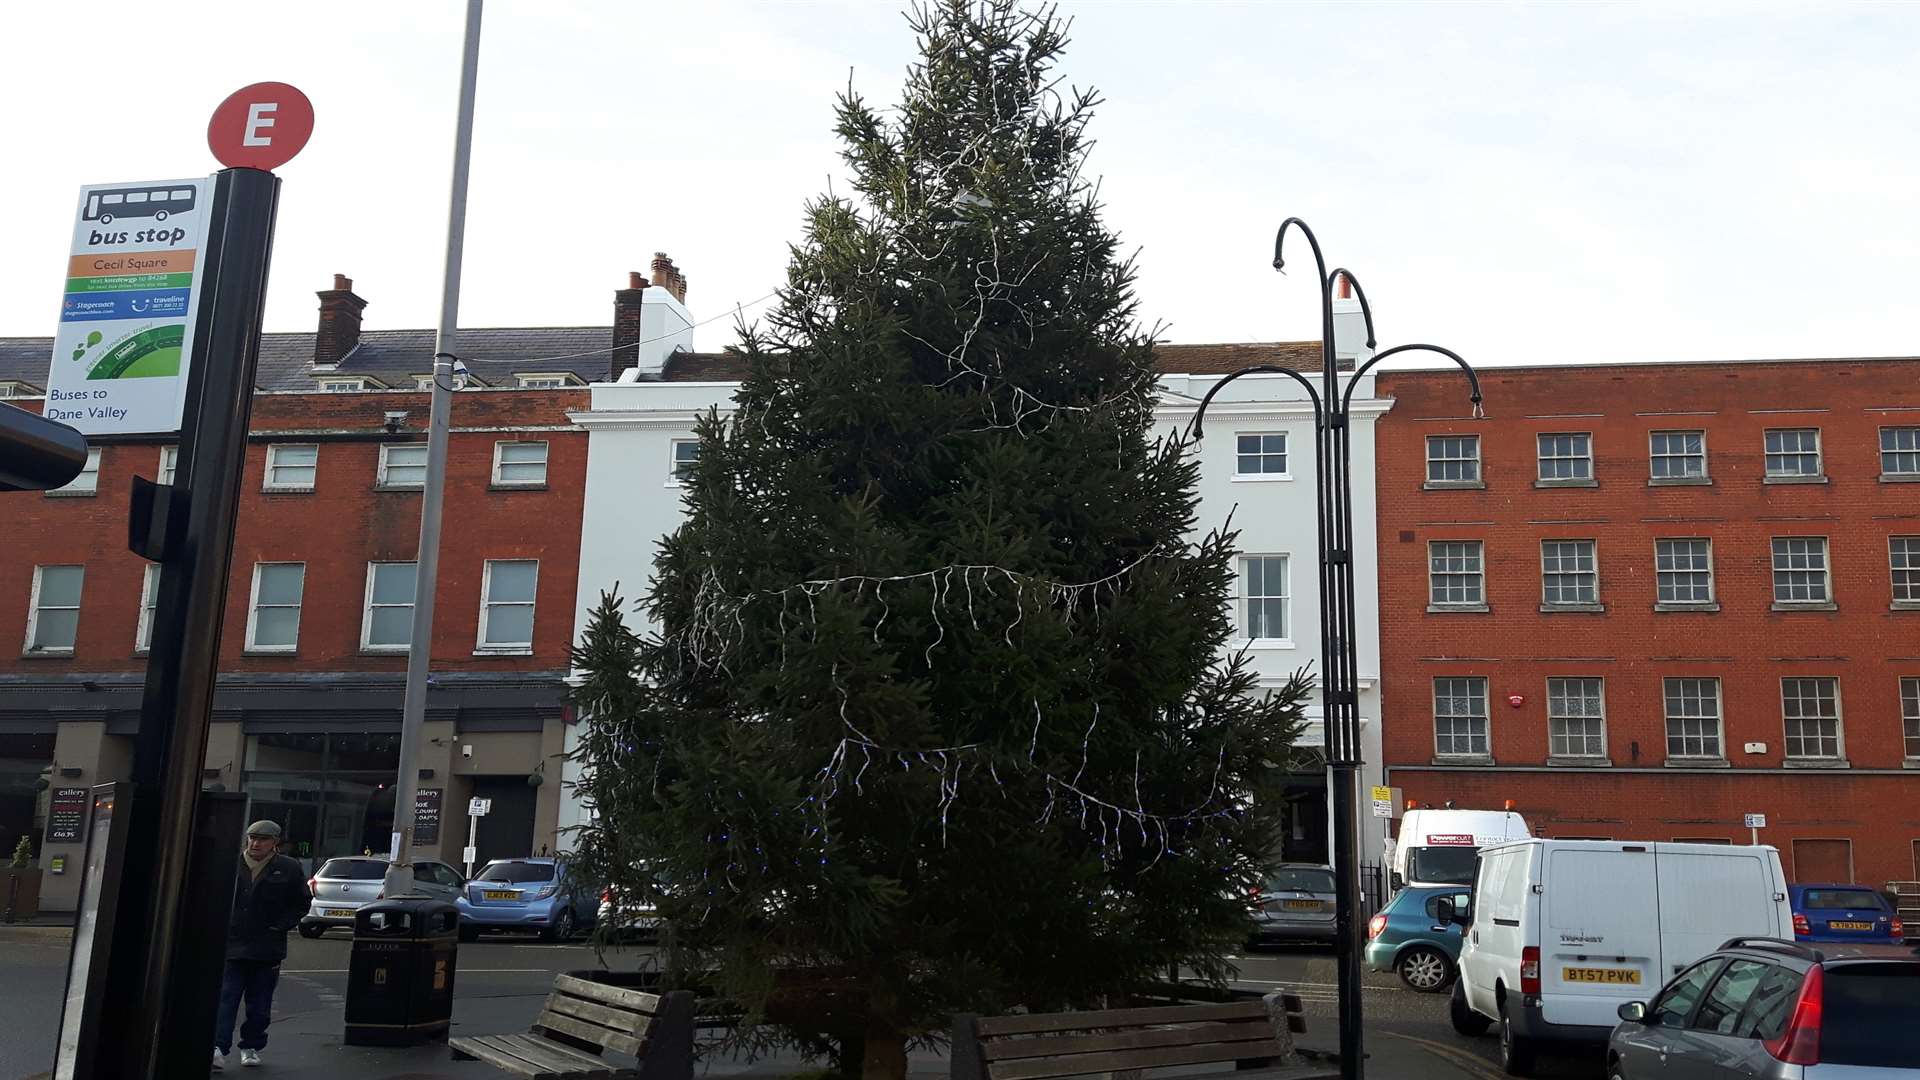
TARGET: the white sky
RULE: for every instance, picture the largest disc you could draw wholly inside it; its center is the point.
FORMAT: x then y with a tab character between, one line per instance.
1524	183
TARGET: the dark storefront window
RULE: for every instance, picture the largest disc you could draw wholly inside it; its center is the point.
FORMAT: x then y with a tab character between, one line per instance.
24	763
332	794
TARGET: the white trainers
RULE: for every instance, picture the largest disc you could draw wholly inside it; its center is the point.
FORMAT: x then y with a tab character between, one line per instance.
249	1058
219	1060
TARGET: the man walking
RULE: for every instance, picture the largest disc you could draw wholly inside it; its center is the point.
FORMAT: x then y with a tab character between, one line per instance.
269	897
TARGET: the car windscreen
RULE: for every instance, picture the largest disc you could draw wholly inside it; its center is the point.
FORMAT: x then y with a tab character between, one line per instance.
1300	880
1870	1015
516	872
353	870
1442	865
1840	900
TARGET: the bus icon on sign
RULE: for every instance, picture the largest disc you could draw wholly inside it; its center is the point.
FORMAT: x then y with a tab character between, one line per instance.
158	203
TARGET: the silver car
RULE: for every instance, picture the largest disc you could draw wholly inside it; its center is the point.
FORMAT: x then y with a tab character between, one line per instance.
1778	1010
1296	903
342	886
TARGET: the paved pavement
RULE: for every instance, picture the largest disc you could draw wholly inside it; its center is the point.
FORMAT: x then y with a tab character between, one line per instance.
501	982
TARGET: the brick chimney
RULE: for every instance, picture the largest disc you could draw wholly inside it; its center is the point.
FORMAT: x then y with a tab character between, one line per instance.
668	276
626	324
340	310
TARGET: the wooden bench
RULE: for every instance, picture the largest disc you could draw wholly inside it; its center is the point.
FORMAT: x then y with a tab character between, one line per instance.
1247	1034
580	1020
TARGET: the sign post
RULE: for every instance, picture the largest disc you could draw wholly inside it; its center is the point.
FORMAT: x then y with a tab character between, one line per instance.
476	809
178	343
1756	822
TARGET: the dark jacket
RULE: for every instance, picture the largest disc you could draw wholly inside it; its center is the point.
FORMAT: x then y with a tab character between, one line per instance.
264	910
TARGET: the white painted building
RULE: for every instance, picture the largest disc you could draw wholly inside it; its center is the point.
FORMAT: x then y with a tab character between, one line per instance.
1257	465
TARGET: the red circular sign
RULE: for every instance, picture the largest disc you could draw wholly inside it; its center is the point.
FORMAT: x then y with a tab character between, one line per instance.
261	126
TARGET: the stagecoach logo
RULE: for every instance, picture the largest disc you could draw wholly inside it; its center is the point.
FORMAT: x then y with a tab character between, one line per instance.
126	321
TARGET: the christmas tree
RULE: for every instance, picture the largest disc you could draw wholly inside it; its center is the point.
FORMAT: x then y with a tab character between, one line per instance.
936	716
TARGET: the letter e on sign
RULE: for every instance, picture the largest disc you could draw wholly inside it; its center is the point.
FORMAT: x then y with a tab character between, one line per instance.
261	126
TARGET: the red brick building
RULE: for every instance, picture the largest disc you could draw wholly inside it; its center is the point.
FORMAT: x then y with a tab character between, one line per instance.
1643	601
319	606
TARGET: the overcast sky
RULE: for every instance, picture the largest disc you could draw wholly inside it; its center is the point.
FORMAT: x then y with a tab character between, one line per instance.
1524	183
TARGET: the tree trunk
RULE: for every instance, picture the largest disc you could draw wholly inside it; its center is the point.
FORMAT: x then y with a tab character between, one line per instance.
884	1055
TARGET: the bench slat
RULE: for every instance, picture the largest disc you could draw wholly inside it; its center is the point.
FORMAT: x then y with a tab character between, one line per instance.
567	1061
589	1032
1038	1023
1053	1045
1082	1064
501	1059
625	1021
608	995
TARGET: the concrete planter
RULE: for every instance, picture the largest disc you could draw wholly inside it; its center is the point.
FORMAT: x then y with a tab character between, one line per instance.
20	892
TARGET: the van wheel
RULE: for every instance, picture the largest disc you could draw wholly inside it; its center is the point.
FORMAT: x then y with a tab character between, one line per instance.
1516	1053
1465	1020
1423	969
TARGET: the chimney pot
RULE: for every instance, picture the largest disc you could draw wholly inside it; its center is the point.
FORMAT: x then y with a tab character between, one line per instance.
339	330
342	283
635	281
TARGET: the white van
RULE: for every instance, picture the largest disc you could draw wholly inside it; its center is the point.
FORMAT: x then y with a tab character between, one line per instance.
1564	931
1437	847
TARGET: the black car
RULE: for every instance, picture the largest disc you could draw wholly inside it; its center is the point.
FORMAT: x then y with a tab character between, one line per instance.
1773	1009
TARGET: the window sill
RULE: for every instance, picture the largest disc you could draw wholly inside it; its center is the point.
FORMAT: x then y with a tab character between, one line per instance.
1794	479
523	650
384	650
47	654
1442	609
1708	607
399	487
1569	483
516	487
1904	605
1680	481
1697	763
1910	763
1580	761
58	494
1816	763
1454	485
1808	605
1900	478
1463	759
1575	609
287	490
1260	644
295	651
1261	478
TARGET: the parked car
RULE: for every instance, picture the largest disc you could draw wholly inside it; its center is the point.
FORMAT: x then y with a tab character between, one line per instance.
1410	939
624	917
1774	1009
1296	903
344	885
1843	913
1565	931
538	894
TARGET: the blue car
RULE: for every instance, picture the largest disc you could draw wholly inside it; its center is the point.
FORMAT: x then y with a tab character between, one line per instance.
1410	939
1853	913
526	894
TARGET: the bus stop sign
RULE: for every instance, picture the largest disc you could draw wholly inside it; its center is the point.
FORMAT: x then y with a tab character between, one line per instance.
260	126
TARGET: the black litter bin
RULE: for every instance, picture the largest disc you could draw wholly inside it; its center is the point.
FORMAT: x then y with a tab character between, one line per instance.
400	979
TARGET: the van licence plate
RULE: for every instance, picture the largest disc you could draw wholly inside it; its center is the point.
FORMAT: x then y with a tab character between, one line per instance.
499	894
1838	925
1610	976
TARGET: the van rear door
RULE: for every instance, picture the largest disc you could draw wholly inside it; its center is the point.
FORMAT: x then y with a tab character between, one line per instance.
1708	895
1599	941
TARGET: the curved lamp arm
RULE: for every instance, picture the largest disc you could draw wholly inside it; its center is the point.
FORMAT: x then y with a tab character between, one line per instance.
1280	241
1194	431
1366	309
1354	379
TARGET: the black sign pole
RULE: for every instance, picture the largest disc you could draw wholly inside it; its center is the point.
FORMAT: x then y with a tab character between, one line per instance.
162	1026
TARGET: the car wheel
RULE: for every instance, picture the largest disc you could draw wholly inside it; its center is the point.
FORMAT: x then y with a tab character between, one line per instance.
469	933
313	931
1423	969
1516	1053
561	928
1465	1020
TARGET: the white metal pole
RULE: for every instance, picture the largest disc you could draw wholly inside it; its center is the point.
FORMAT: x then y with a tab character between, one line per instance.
414	707
473	841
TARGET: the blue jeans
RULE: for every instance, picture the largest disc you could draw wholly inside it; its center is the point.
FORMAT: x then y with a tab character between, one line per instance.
253	980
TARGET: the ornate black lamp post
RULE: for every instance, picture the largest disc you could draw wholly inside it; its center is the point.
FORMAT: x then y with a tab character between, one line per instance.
1339	685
